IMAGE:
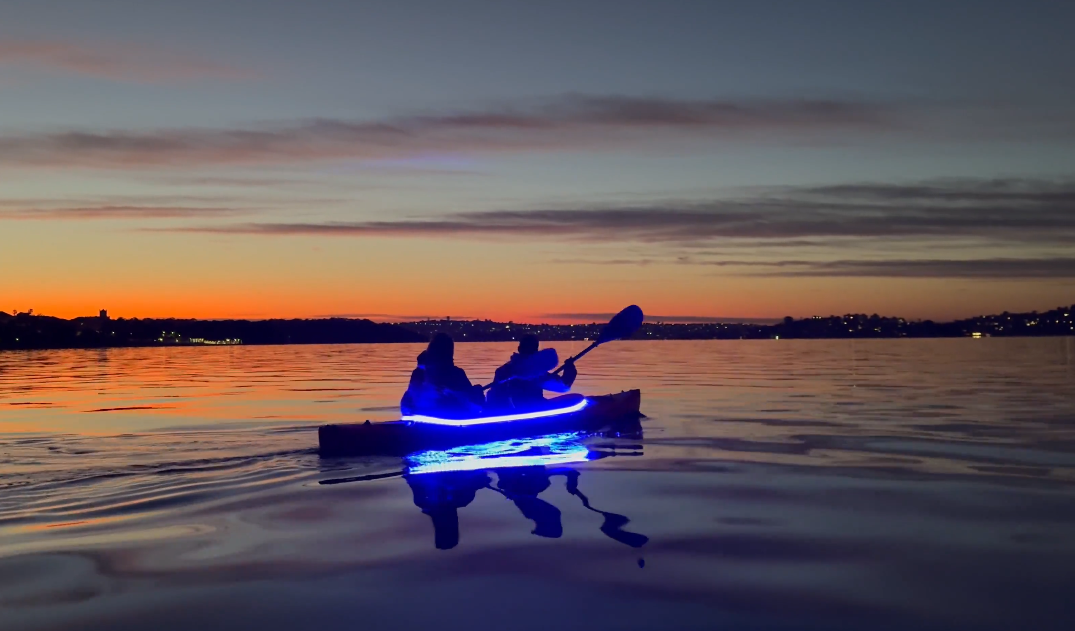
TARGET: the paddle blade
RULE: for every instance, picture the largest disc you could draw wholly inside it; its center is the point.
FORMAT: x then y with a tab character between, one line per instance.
622	325
536	365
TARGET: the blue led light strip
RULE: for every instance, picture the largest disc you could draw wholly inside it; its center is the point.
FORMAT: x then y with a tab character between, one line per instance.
481	420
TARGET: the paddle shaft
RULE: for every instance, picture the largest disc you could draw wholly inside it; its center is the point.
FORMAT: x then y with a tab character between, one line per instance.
495	383
576	357
502	381
621	326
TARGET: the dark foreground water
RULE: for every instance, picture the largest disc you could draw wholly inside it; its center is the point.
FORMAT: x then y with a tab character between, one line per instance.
892	484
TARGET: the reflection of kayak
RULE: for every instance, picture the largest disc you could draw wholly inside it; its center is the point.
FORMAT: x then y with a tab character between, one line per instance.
569	413
539	451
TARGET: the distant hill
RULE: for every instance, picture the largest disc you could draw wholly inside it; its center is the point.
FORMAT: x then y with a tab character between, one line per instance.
33	332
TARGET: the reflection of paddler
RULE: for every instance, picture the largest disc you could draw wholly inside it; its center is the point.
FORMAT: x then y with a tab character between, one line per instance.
440	495
522	486
614	522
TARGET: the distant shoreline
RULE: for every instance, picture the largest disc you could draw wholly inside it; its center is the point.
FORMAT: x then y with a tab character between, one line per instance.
25	331
550	340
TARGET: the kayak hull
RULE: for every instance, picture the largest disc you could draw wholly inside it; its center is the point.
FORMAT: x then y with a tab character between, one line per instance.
615	413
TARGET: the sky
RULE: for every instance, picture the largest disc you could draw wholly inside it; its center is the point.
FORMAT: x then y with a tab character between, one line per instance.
536	161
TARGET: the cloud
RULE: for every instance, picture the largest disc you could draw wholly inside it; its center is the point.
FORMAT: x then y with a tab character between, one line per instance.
638	262
672	319
633	112
566	123
388	317
119	212
573	122
215	181
1031	218
1012	211
991	268
182	206
127	62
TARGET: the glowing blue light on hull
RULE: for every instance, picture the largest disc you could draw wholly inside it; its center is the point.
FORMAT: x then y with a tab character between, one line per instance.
503	418
556	449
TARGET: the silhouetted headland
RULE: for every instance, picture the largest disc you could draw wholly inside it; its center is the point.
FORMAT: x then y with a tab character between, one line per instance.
28	331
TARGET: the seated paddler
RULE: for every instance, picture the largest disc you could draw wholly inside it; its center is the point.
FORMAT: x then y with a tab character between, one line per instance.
440	388
513	391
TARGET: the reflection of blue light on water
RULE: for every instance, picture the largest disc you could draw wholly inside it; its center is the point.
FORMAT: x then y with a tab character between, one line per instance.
504	462
481	420
555	449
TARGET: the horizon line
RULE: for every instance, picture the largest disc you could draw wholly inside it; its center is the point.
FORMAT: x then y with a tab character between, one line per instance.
598	318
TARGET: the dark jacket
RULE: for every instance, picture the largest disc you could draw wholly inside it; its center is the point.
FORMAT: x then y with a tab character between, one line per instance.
522	393
438	388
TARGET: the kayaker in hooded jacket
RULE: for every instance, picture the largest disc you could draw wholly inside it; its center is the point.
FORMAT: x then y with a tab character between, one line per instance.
520	393
437	385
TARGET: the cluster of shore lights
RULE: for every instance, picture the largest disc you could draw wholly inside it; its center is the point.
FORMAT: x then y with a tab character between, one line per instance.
198	340
503	418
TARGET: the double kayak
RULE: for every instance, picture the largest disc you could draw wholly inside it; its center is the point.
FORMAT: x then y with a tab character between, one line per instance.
612	413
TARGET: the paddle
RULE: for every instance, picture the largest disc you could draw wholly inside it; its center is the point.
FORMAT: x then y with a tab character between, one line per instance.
621	326
531	366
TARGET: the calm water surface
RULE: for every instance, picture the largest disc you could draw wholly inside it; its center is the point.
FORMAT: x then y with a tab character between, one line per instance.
892	484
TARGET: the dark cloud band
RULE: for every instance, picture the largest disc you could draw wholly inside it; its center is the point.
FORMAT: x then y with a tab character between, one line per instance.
1014	211
991	269
573	122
